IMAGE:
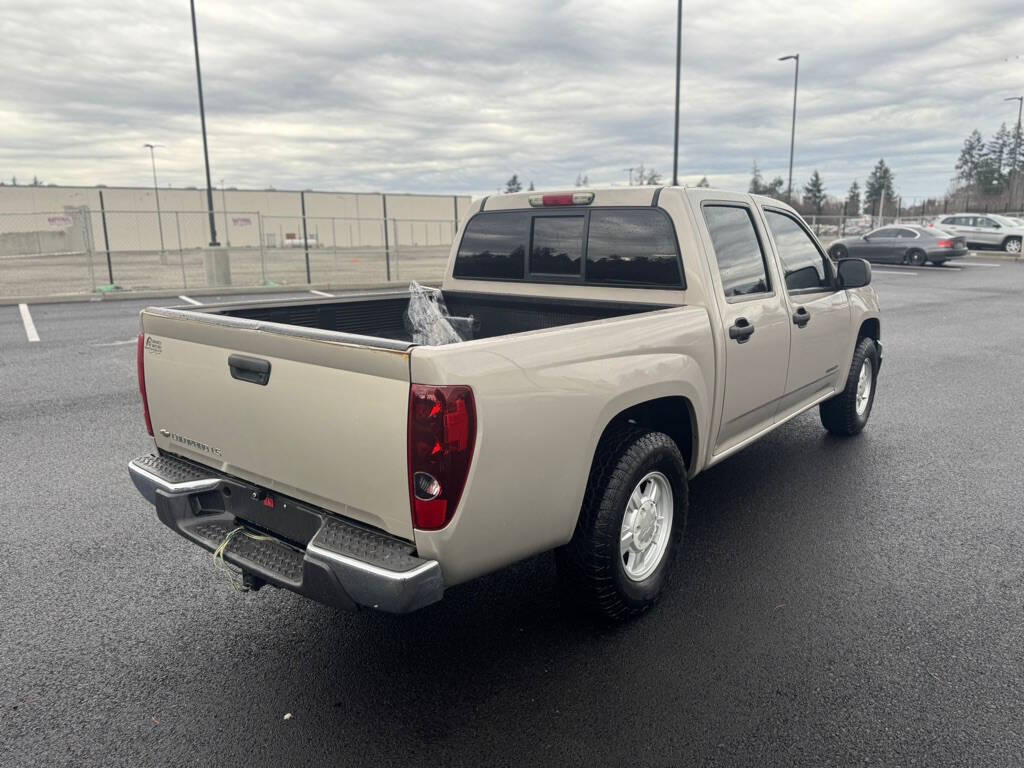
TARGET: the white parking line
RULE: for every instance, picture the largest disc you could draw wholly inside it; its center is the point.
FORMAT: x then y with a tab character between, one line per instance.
972	264
321	293
30	326
191	301
114	343
893	272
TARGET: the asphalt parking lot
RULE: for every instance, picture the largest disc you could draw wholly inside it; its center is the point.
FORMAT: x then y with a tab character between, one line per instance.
838	602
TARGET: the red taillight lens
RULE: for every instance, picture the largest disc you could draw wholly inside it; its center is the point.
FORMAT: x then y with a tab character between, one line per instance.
945	243
442	432
140	365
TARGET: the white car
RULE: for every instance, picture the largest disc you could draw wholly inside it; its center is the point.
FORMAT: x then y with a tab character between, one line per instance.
985	231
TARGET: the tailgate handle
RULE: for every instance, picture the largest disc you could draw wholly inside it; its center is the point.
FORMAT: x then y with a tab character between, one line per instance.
250	369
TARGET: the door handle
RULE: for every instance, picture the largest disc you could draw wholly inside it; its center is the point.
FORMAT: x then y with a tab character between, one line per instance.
250	369
801	317
741	331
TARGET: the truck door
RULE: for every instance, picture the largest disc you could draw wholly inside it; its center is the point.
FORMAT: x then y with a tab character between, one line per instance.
756	322
819	312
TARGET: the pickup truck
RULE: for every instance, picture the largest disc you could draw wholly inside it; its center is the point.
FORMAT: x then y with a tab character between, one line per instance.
624	340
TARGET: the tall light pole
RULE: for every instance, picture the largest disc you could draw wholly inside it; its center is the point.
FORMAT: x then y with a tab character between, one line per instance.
156	191
202	121
1016	146
792	134
679	53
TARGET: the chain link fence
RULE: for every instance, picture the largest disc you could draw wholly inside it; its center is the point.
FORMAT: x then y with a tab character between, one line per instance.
82	250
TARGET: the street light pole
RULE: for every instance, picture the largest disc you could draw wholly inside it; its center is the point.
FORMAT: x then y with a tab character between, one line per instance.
1016	146
202	121
156	191
792	134
679	53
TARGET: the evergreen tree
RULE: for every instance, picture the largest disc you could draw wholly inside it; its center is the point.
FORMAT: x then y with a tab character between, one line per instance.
881	179
853	199
513	185
653	177
992	167
704	182
531	189
970	157
774	187
814	192
757	186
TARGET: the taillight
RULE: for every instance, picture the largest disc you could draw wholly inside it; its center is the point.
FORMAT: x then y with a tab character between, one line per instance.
442	432
140	365
945	243
576	198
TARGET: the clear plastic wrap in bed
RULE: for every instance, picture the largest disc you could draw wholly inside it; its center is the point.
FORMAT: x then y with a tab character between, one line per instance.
428	321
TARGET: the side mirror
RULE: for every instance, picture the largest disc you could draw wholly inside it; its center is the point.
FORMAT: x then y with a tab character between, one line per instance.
853	273
997	226
865	238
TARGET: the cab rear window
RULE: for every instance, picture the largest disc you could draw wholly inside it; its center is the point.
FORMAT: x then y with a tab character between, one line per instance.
629	247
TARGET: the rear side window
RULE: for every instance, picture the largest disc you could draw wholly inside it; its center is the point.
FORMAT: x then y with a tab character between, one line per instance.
632	246
557	246
802	263
738	252
494	247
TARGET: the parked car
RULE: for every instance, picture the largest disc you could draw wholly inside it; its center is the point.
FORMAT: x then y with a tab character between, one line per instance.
902	244
984	231
624	340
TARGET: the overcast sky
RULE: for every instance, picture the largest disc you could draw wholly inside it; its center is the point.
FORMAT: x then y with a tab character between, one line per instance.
456	96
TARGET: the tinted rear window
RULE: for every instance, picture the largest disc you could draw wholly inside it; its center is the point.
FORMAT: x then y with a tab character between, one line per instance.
557	245
609	246
632	246
494	246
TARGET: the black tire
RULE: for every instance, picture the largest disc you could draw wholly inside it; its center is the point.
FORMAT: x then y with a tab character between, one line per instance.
839	252
590	565
839	414
917	258
1015	247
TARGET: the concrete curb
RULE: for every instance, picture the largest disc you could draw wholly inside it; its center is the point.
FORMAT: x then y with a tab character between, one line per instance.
198	292
1001	255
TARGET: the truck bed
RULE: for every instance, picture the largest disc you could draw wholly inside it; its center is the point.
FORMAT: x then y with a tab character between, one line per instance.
382	316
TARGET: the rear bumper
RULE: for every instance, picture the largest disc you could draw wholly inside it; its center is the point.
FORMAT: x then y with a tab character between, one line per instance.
309	551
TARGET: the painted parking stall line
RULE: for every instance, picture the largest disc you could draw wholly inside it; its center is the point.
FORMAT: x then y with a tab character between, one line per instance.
191	300
902	272
28	322
322	293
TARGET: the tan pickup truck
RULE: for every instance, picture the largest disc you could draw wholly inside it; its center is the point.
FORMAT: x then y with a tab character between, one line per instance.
623	340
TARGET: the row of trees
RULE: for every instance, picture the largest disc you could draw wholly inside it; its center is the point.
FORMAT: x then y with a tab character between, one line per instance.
14	182
991	169
816	200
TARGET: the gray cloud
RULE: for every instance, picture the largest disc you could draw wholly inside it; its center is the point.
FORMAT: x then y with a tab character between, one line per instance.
454	97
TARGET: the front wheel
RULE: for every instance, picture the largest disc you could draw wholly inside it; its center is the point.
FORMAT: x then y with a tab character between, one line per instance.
630	526
917	258
1012	245
847	413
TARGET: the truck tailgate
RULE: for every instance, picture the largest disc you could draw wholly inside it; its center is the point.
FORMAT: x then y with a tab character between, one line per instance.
328	426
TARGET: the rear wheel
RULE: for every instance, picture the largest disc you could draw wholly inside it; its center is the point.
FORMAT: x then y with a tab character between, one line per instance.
917	258
630	526
847	413
1012	245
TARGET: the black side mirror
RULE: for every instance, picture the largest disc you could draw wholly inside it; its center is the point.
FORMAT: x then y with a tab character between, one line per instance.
865	238
854	273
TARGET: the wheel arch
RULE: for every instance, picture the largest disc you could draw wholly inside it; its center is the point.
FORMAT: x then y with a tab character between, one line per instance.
674	415
870	328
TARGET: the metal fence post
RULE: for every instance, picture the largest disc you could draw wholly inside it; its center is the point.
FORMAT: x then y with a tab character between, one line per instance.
398	258
305	237
86	215
263	257
106	239
181	253
334	242
387	249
